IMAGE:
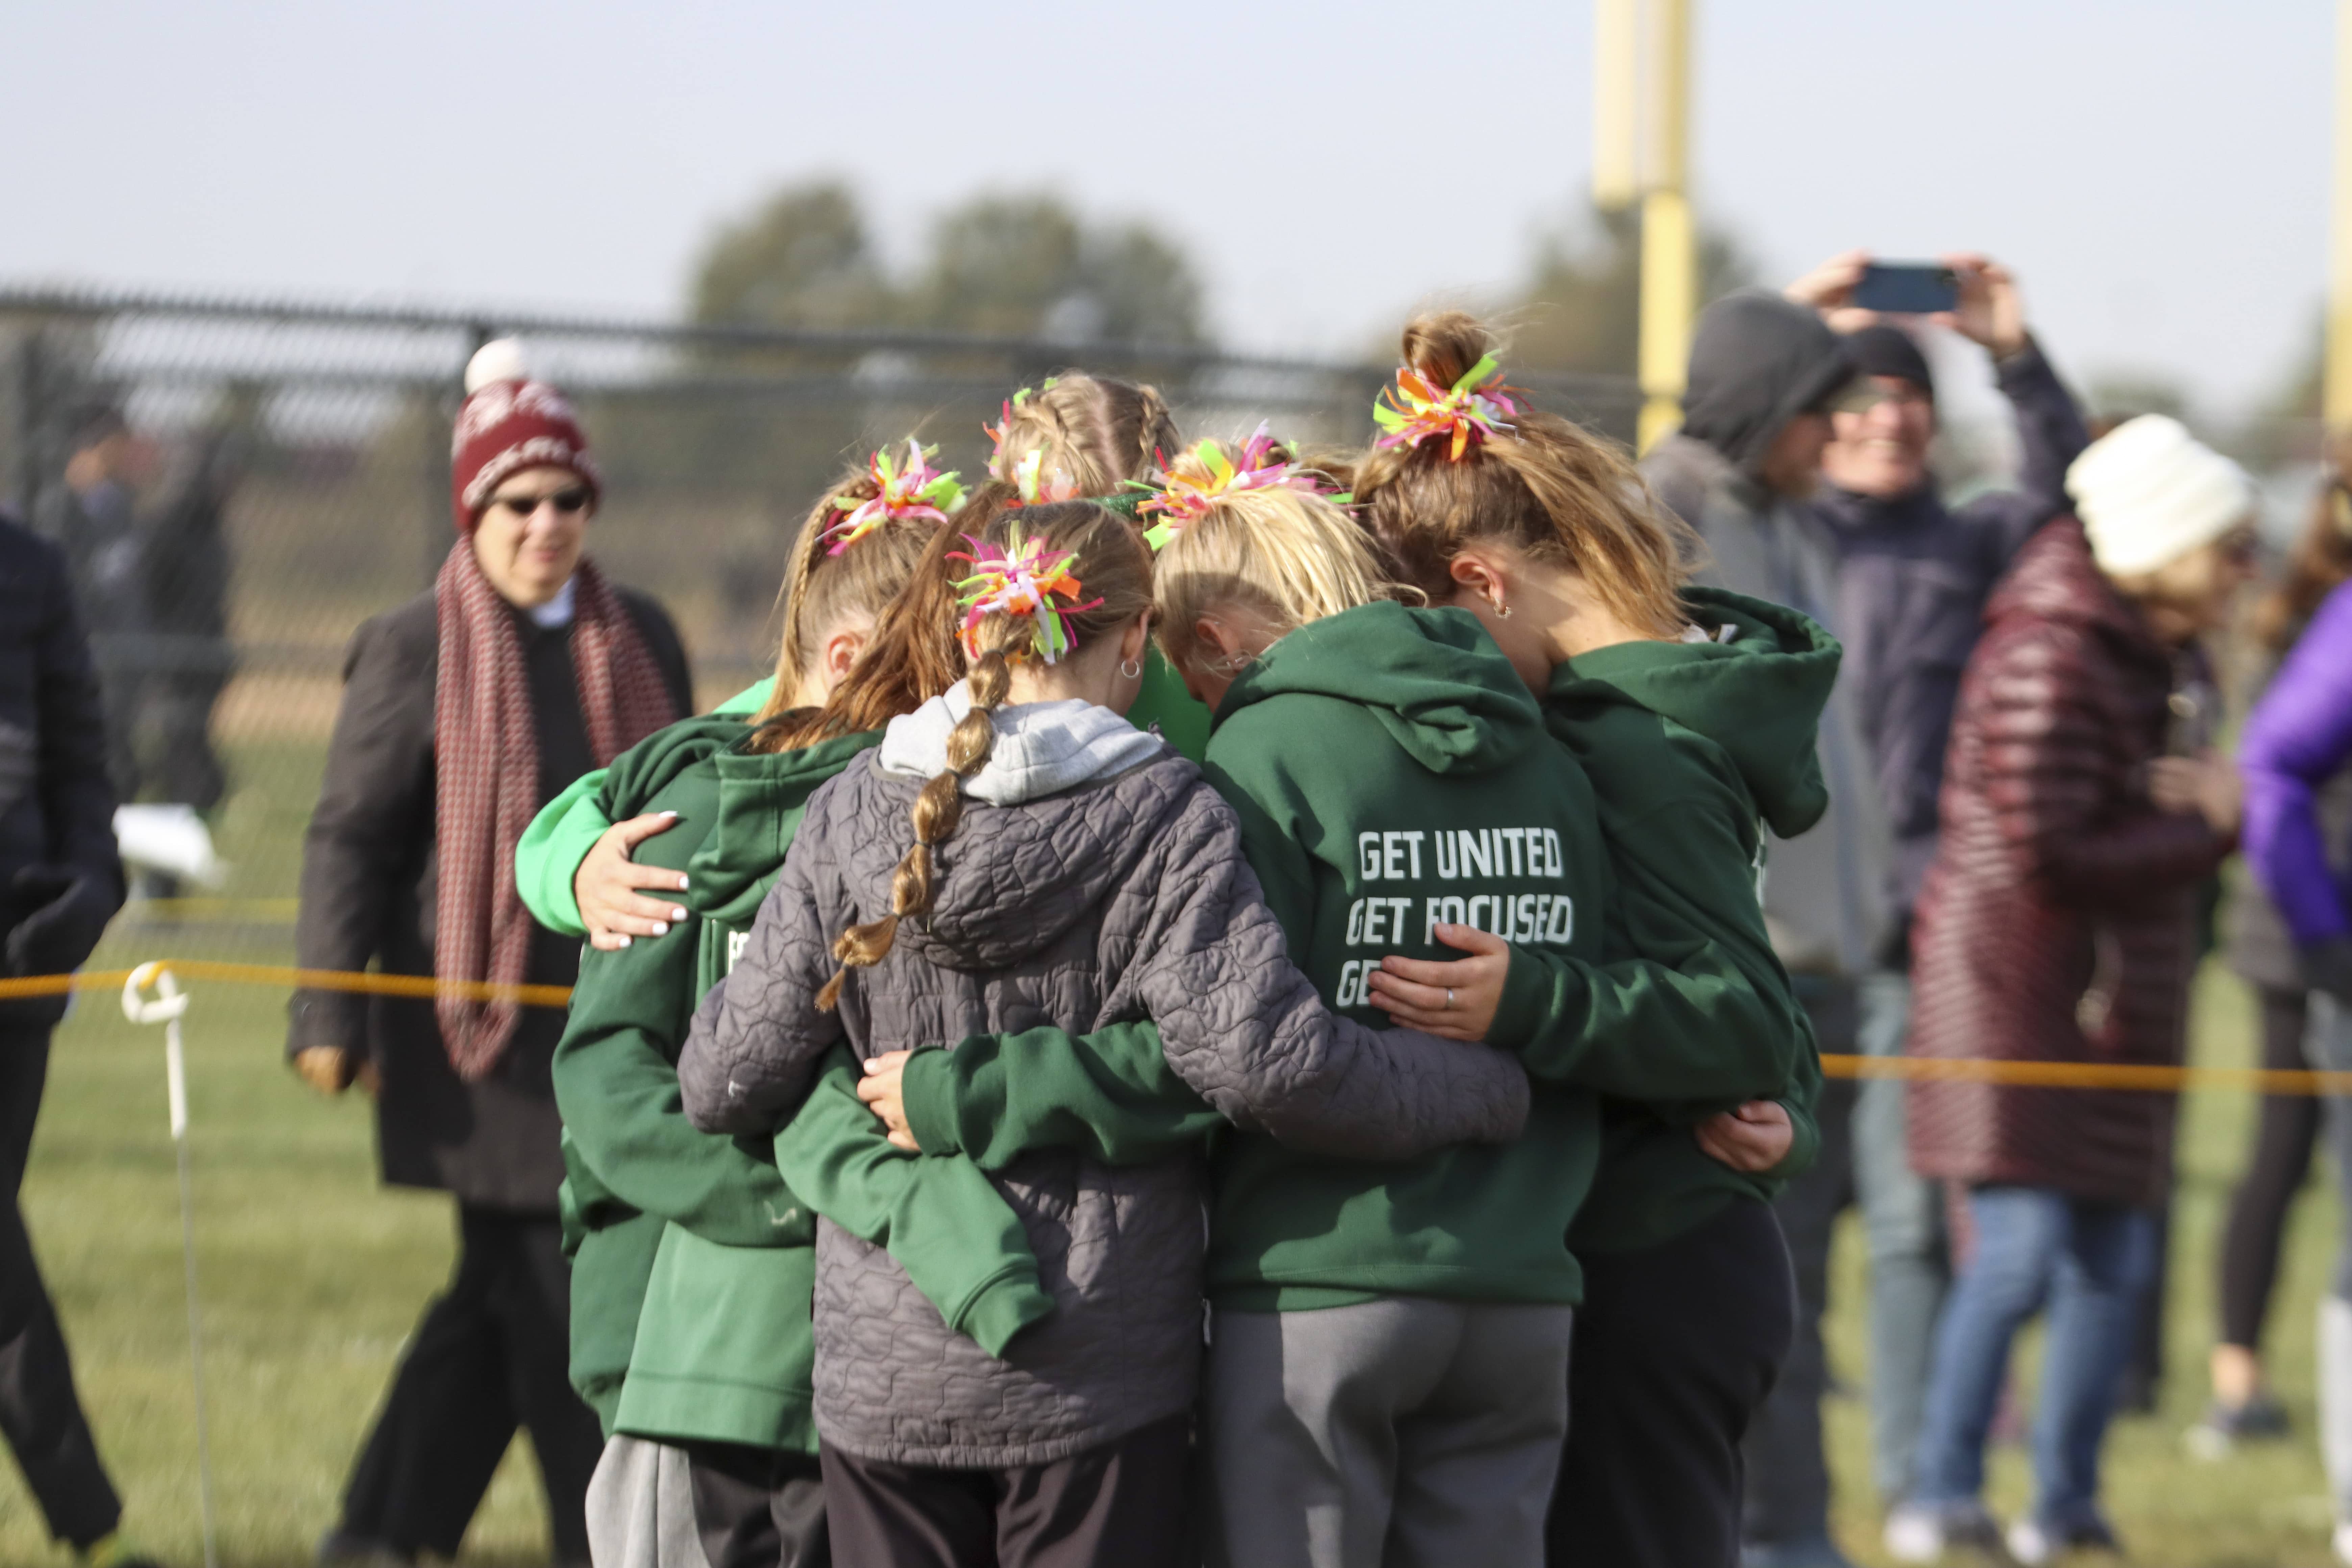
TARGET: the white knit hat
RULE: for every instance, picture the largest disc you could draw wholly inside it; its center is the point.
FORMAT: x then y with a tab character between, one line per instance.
2149	493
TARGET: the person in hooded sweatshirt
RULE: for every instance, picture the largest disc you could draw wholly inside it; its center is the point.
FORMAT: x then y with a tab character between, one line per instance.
1766	377
1070	871
1078	435
681	1245
1692	712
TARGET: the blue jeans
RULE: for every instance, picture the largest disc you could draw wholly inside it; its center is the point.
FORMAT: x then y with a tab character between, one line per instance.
2087	1263
1910	1260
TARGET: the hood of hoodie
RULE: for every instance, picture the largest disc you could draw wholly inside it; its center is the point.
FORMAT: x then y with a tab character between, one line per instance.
1012	878
1041	747
761	796
1757	361
1433	678
1758	695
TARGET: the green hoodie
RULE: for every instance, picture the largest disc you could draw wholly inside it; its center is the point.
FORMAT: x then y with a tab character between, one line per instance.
1687	745
549	854
1391	771
567	827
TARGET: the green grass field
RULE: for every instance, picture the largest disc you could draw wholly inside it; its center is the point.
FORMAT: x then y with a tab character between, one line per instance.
312	1275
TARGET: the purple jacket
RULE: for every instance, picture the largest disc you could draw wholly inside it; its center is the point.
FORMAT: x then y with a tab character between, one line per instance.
2298	737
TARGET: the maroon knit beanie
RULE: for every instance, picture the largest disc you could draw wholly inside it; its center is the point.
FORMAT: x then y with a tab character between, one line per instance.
507	425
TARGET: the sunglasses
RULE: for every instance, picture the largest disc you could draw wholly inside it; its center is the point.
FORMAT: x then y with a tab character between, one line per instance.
567	501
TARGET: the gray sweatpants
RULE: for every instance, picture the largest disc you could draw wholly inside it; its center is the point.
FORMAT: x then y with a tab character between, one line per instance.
641	1507
1407	1432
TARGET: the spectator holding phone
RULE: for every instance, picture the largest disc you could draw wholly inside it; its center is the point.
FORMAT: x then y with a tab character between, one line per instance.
1913	576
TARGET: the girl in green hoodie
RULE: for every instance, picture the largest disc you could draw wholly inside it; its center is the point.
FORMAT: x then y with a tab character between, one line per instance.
682	1243
1692	714
1079	434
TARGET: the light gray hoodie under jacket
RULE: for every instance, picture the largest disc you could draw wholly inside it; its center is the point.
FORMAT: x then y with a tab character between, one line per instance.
1094	879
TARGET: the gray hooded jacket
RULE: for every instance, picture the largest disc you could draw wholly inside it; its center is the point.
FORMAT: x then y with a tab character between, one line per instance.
1118	893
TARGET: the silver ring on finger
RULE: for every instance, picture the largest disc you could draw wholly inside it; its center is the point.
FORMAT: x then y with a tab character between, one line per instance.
1449	998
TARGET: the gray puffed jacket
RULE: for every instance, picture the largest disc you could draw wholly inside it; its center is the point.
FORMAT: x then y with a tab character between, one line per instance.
1120	895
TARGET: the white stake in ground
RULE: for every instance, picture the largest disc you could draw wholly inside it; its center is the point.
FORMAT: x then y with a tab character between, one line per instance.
169	1004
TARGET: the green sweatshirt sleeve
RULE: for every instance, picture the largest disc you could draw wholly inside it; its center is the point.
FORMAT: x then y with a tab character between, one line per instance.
748	700
1110	1095
550	850
1707	1014
944	1222
623	1117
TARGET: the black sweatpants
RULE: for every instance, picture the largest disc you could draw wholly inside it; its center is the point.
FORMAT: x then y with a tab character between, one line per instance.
758	1507
492	1353
1126	1504
2276	1169
39	1411
1675	1347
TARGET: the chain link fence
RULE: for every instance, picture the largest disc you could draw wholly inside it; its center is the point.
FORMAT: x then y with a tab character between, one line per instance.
283	473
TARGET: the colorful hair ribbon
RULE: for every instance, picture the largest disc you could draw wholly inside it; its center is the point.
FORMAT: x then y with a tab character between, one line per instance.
1029	480
1416	409
1022	577
915	490
1181	501
995	433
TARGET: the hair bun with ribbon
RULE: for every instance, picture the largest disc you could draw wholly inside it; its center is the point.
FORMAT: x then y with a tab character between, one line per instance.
1022	577
911	489
1260	463
1415	408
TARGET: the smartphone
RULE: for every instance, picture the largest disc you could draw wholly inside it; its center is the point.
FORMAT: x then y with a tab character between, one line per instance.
1906	289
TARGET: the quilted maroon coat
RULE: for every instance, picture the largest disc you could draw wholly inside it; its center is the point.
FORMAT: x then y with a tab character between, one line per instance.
2056	922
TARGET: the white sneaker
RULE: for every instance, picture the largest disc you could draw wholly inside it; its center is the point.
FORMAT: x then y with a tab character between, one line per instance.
2030	1542
1915	1533
1923	1532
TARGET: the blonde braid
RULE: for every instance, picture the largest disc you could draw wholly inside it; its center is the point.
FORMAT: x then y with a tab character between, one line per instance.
938	810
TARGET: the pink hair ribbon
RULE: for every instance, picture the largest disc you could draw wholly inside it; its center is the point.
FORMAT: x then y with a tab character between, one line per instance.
1022	577
915	490
1181	501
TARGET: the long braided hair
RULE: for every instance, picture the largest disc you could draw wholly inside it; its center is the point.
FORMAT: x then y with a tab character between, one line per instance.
1095	545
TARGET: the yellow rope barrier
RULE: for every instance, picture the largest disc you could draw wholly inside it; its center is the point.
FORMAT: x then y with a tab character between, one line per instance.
1923	1070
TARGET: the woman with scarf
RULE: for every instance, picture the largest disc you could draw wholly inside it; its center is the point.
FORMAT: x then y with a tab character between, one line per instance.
463	712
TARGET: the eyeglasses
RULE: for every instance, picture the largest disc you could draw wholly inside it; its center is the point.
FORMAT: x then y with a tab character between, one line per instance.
566	501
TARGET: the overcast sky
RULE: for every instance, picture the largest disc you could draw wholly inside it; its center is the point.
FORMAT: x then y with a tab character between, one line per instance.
2156	169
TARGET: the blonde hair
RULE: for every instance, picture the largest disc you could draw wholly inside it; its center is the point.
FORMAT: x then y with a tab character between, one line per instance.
1093	433
1562	496
821	590
1117	571
1291	555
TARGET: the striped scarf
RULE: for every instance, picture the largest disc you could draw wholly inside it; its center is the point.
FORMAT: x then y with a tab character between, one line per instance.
486	757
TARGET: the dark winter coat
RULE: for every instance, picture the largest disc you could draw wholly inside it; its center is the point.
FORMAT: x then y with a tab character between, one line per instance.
368	897
2056	924
56	805
1121	897
1913	578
